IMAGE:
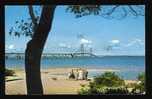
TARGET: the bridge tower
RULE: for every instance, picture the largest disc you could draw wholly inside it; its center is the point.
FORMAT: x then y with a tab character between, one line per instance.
82	50
90	50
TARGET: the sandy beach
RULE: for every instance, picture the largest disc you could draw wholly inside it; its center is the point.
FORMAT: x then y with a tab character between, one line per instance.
62	85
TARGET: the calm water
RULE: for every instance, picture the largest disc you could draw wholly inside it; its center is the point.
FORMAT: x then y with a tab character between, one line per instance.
129	66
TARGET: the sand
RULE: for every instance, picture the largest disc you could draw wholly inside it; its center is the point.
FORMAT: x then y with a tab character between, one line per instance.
62	85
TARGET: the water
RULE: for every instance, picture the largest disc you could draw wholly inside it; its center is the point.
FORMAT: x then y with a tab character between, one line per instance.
129	66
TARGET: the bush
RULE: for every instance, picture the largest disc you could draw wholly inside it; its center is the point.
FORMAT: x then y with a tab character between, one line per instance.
84	91
107	83
109	79
110	83
9	72
103	90
140	88
141	78
131	85
54	78
116	91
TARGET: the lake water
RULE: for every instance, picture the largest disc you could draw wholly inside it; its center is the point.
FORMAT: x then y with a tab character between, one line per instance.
129	66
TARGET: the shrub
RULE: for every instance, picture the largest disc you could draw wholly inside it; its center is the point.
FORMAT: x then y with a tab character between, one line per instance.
140	88
109	79
54	78
9	72
116	91
103	90
141	78
84	91
107	83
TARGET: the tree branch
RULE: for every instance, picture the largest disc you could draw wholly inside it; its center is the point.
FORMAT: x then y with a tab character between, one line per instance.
34	20
133	11
112	10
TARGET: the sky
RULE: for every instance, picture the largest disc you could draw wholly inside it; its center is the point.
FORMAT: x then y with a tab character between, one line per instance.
104	36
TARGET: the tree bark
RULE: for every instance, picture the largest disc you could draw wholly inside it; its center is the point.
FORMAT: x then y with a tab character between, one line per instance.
33	18
34	51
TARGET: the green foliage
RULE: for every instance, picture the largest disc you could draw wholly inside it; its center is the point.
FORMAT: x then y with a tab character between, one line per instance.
108	12
25	27
140	87
103	90
9	72
83	10
110	83
22	28
109	79
84	91
131	85
107	83
116	91
141	77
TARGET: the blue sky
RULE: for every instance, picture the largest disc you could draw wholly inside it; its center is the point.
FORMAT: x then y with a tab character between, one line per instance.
126	36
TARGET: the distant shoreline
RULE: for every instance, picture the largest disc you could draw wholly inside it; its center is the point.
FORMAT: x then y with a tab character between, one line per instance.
71	52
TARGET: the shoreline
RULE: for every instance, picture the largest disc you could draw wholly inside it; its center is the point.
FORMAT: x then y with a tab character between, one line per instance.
62	85
66	70
66	67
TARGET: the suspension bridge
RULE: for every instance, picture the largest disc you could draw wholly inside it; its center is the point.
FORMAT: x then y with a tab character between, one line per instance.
81	52
50	55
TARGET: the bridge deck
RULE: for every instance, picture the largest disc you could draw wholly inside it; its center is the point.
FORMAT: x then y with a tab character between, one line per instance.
22	55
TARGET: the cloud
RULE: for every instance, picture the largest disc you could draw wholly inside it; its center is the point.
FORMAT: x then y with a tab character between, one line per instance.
135	41
68	46
116	45
115	41
11	46
63	45
85	41
89	46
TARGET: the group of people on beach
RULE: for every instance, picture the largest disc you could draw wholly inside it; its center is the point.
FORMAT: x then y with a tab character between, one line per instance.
78	74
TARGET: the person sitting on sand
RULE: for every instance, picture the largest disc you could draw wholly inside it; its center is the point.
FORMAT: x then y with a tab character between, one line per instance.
80	75
76	74
71	75
86	75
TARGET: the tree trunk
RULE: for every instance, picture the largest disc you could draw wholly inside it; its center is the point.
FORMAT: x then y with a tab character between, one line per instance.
34	51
